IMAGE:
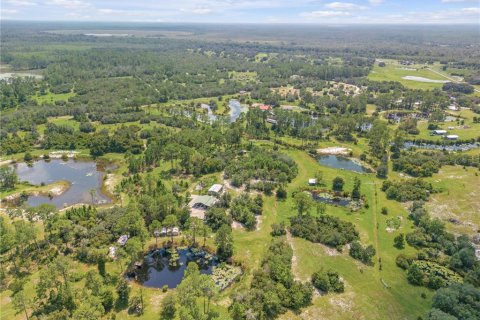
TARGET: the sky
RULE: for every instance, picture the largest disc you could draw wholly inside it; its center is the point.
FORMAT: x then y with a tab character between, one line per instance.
248	11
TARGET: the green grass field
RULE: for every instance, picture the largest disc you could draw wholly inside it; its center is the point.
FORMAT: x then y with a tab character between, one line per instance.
52	97
395	72
458	199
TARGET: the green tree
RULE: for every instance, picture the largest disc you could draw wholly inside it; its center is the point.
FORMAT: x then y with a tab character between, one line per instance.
399	241
303	202
134	249
169	308
415	275
21	303
169	222
356	189
224	242
195	226
8	178
123	292
337	184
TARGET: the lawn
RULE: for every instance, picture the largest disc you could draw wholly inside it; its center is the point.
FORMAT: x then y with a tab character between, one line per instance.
366	296
458	199
53	97
395	72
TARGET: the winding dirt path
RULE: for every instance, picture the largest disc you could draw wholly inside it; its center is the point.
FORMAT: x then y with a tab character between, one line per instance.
294	257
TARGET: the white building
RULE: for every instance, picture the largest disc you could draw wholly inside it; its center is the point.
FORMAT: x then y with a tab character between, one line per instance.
312	182
439	132
122	240
215	190
452	137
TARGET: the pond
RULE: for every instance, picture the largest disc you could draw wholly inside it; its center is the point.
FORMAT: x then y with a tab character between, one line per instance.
82	175
236	109
344	202
156	272
210	114
340	162
452	147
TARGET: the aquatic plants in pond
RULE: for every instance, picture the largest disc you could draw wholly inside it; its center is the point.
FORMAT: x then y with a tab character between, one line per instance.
224	274
336	199
157	270
174	257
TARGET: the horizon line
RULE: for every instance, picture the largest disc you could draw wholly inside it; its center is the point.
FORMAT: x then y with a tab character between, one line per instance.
253	23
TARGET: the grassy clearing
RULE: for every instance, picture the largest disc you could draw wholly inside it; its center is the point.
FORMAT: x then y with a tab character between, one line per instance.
458	199
53	97
366	297
243	76
395	72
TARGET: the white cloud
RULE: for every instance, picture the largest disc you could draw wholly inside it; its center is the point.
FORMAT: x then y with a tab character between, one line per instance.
8	11
347	6
473	10
376	2
324	14
450	1
70	4
197	10
19	3
109	11
344	6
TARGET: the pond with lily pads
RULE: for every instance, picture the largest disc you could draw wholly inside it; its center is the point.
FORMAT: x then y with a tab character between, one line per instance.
157	269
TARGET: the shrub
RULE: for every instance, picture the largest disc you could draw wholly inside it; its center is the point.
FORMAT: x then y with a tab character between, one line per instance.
327	281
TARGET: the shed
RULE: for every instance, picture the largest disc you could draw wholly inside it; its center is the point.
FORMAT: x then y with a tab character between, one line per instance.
215	190
163	233
122	240
439	132
112	252
452	137
175	231
312	182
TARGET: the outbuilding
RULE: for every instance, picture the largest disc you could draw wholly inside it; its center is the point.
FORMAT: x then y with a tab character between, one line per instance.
122	240
439	132
202	202
312	182
452	137
215	190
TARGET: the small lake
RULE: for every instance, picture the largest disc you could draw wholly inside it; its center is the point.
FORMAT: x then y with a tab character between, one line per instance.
82	175
236	109
156	272
344	202
210	114
340	162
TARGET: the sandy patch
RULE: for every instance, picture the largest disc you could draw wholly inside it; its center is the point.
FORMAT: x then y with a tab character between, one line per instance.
334	150
237	225
259	221
294	257
59	154
343	302
197	213
109	182
5	162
